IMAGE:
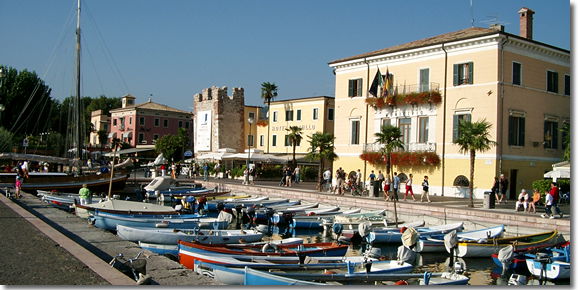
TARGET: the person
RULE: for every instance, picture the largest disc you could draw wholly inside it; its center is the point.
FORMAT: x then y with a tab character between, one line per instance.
288	174
381	179
326	175
409	188
89	163
217	169
372	176
163	169
194	170
549	202
387	188
425	189
396	183
252	175
503	182
18	185
84	193
341	180
555	193
173	170
297	174
535	200
245	176
25	168
205	172
495	189
358	178
523	199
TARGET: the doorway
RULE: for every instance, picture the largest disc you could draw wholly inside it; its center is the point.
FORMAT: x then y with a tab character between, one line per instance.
513	194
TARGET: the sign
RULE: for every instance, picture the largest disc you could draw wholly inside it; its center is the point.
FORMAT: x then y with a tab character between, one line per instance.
203	128
188	153
25	143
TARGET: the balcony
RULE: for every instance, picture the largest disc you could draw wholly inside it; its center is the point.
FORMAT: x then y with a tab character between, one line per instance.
414	94
415	146
415	88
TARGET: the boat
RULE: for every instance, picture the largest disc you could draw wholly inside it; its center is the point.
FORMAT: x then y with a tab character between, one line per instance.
516	258
354	234
436	244
445	278
231	203
256	277
552	265
171	236
110	221
167	185
60	202
123	207
394	235
486	248
338	223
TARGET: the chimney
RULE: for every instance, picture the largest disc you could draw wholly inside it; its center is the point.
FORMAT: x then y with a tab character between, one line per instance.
526	22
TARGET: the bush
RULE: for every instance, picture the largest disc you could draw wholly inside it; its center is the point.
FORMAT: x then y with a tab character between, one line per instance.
544	184
309	173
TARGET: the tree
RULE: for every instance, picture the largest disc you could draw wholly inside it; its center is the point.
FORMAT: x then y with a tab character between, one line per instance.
294	137
269	92
566	141
102	138
321	149
169	146
472	137
183	139
6	140
390	136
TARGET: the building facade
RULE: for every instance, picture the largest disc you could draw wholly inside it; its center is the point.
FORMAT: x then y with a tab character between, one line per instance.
100	122
519	85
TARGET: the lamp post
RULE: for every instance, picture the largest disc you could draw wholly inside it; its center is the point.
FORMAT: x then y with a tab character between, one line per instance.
247	181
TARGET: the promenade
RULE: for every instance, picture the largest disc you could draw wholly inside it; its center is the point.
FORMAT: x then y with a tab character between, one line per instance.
42	245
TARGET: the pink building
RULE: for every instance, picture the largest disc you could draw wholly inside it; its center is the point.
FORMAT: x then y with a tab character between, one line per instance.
144	123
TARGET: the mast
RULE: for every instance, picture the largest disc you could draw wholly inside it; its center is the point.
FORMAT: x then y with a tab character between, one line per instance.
78	91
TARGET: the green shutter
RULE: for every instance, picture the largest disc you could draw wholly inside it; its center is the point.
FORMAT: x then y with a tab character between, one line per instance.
359	92
468	117
522	131
455	74
511	131
556	82
455	124
470	78
350	88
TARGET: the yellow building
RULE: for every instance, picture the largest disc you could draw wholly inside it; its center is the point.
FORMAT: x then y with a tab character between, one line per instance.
519	85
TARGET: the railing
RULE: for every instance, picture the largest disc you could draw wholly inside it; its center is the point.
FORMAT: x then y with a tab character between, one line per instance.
415	146
415	88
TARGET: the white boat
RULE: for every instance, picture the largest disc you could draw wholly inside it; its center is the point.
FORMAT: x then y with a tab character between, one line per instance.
435	244
353	233
171	236
394	235
445	278
553	265
123	207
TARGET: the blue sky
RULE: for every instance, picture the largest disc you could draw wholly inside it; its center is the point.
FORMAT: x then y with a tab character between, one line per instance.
174	49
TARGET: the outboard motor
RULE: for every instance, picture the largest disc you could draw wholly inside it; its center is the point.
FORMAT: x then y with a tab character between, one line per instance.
287	216
269	216
238	209
220	206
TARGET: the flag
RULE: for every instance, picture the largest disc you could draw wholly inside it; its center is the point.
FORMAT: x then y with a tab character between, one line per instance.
375	84
387	84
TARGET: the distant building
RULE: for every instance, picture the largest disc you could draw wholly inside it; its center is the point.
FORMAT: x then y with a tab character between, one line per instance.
519	85
100	121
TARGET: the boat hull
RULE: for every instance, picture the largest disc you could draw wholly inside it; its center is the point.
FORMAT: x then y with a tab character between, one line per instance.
486	249
95	183
170	236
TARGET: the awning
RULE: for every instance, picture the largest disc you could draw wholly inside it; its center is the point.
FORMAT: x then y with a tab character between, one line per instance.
128	151
112	135
128	134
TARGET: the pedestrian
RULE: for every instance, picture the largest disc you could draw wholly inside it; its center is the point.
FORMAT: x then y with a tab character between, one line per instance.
387	188
288	174
25	168
246	177
217	170
503	182
205	172
358	178
381	179
523	199
18	185
396	183
327	178
252	175
555	193
194	170
163	169
173	170
409	188
495	189
84	194
535	199
548	206
341	180
372	177
425	189
297	174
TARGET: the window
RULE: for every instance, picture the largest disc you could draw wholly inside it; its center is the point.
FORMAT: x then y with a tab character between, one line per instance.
289	115
567	85
517	73
274	139
463	74
298	115
105	127
155	136
275	117
355	88
456	119
114	122
385	122
130	120
330	114
250	140
551	134
315	114
424	80
252	115
287	141
461	180
141	137
180	124
405	127
262	140
517	126
354	132
156	122
142	121
552	80
186	125
423	129
165	123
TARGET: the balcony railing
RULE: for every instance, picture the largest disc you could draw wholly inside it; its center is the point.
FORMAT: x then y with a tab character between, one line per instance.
415	146
414	88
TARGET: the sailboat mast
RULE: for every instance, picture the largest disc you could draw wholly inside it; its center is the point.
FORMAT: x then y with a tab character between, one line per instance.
78	90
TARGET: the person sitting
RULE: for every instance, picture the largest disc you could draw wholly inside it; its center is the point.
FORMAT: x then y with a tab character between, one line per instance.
523	199
535	200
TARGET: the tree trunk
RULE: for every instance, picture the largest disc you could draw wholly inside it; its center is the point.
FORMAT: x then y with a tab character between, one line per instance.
320	175
471	174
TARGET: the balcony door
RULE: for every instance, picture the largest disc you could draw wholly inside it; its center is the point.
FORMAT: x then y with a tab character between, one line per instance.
405	127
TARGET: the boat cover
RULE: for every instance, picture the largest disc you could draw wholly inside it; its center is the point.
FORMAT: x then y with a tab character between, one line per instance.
410	237
364	228
505	255
450	240
225	216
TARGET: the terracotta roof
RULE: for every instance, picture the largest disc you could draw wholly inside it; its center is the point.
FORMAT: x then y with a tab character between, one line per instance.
152	106
453	36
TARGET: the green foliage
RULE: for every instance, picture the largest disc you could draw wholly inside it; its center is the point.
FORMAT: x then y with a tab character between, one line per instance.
269	92
322	149
307	173
6	140
172	146
542	185
272	171
566	141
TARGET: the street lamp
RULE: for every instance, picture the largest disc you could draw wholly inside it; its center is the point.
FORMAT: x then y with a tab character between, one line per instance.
250	121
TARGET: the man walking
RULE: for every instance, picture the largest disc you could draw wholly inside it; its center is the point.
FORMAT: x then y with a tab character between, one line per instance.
396	182
326	175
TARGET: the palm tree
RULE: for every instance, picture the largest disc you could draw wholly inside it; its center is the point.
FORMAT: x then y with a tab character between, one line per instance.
322	149
390	136
269	92
102	138
294	137
473	137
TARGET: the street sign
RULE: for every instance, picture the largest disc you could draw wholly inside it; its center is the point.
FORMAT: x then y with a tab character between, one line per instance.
188	153
25	143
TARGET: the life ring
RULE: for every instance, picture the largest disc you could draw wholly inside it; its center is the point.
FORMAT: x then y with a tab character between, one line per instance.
403	229
268	246
402	282
311	213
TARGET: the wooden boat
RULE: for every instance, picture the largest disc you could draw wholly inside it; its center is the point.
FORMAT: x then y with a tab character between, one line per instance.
171	236
394	235
110	221
435	243
445	278
60	202
517	257
198	193
488	247
231	203
353	234
123	207
189	252
552	265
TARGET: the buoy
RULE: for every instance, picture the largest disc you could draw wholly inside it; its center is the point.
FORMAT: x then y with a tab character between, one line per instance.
402	282
403	229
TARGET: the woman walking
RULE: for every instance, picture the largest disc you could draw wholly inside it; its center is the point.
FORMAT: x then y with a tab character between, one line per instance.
425	189
409	188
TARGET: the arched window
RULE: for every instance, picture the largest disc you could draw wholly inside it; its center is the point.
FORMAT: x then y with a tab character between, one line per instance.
403	177
461	180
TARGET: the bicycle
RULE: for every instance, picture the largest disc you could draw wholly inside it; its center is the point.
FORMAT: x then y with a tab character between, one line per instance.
136	266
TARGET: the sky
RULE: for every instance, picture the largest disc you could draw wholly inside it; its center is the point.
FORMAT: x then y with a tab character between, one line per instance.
171	50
